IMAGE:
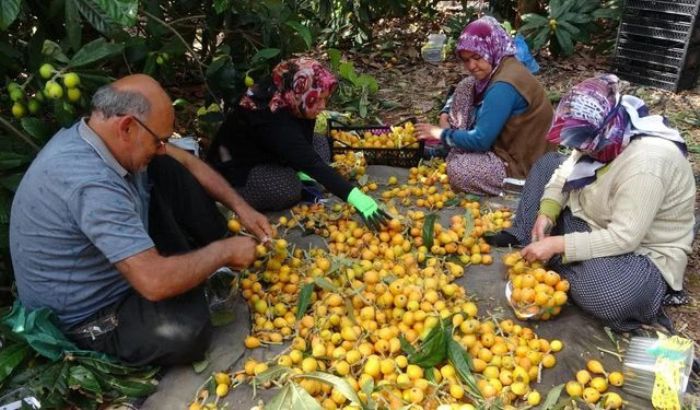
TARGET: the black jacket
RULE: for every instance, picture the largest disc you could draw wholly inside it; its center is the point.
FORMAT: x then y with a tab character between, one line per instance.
256	137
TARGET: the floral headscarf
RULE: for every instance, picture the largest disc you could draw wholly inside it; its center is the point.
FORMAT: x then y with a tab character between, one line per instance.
489	40
594	119
299	85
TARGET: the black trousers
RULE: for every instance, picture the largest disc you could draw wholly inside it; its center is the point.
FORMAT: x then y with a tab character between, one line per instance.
182	217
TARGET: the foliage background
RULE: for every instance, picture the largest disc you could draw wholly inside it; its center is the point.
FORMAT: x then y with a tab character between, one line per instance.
200	50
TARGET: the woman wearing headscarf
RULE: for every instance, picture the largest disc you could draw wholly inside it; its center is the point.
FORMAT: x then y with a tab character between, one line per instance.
497	119
266	146
619	209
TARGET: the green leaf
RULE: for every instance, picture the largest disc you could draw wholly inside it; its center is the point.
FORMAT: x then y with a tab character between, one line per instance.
180	102
562	9
334	58
11	182
304	299
406	346
292	396
9	9
605	14
430	375
266	54
79	377
97	18
106	367
11	357
94	51
577	18
433	350
565	41
37	128
573	30
429	229
53	50
73	29
10	160
460	360
272	373
552	397
325	284
347	71
302	30
532	21
339	384
123	12
54	378
541	38
201	365
130	387
221	6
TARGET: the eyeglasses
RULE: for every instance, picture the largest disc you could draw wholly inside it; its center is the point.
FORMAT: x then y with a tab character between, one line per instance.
160	142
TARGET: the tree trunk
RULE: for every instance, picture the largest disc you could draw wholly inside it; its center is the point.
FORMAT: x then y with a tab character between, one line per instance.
524	7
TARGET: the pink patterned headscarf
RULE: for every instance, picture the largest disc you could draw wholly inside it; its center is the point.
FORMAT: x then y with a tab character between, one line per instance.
489	40
301	84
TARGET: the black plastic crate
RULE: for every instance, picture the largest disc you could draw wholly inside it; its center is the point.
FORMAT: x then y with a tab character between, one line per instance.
661	29
640	74
686	7
404	157
670	58
630	13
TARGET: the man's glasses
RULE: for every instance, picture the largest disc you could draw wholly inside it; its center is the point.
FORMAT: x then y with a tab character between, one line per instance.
160	142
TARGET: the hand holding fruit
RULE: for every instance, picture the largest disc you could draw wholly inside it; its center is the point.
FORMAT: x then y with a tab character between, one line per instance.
255	222
543	249
428	132
243	251
542	228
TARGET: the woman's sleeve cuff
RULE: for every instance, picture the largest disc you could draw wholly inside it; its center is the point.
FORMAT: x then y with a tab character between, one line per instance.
550	208
446	137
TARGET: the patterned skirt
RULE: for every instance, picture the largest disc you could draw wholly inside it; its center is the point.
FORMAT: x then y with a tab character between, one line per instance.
273	187
479	173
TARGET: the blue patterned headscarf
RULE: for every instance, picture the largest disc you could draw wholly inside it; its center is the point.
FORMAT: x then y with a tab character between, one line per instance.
593	118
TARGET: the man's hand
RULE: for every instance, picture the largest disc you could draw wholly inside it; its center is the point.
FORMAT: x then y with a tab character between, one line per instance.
243	251
444	121
542	228
428	132
544	249
254	221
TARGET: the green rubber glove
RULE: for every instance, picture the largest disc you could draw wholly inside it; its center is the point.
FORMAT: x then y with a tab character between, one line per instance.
368	209
304	177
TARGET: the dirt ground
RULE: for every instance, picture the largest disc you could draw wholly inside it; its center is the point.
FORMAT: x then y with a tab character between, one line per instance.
418	89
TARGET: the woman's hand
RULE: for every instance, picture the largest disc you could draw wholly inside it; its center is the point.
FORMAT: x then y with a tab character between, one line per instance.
444	121
544	249
542	228
428	132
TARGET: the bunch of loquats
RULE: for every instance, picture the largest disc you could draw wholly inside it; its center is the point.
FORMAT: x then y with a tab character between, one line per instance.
351	164
592	383
400	136
387	328
532	291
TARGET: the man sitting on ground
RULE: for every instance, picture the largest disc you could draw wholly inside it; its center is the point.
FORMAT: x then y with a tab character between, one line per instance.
116	231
